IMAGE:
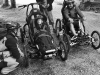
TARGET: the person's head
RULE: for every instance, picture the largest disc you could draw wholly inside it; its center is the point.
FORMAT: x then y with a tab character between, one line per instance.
39	20
12	27
69	3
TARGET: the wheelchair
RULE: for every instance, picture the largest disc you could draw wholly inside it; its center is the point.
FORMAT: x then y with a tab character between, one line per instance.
83	38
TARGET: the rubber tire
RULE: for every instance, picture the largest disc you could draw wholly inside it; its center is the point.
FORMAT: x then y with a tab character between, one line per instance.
22	35
66	51
58	20
66	40
99	39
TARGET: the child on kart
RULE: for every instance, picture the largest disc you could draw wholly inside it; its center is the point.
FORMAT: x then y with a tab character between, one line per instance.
71	12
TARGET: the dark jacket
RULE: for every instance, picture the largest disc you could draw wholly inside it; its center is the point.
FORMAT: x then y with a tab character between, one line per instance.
44	2
74	13
11	44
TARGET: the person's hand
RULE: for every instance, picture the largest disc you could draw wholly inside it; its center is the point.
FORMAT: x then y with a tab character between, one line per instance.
71	20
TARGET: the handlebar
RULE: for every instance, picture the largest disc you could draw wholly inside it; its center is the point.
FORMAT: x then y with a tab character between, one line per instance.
29	5
41	4
77	19
22	6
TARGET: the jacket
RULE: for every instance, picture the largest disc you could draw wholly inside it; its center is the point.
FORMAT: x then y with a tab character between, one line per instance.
74	13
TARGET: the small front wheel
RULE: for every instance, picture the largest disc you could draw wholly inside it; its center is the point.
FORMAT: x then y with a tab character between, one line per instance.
95	39
64	50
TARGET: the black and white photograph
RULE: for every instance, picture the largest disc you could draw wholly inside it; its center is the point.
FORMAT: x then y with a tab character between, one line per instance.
49	37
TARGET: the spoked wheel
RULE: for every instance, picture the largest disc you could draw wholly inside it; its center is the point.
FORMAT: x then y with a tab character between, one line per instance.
22	35
95	39
58	27
63	52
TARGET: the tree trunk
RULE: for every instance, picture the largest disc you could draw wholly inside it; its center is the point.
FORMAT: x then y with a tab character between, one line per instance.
5	3
13	3
1	2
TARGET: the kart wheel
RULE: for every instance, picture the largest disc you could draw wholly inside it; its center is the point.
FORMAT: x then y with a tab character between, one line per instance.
22	35
66	40
58	27
95	39
64	50
25	59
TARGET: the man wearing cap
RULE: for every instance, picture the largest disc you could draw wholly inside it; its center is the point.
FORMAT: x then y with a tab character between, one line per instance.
71	12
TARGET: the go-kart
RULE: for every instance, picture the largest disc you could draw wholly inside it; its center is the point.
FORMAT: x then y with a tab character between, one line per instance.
82	39
38	42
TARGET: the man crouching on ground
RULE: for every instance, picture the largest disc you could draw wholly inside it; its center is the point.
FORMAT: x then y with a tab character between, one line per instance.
9	50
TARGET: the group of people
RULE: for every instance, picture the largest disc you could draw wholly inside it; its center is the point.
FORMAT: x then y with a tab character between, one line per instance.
70	11
9	43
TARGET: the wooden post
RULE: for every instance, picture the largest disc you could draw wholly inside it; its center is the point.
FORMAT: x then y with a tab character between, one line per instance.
13	3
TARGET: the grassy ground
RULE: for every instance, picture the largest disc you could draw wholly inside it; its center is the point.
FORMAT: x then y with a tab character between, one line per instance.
81	60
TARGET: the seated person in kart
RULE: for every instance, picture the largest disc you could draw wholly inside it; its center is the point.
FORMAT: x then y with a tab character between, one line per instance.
9	51
41	37
70	12
37	14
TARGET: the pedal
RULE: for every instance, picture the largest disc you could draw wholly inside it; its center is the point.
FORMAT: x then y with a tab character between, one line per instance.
72	43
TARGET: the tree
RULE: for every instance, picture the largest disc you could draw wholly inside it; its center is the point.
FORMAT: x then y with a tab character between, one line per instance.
13	3
5	3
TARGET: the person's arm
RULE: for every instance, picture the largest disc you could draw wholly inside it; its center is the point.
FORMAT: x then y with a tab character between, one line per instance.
65	13
79	12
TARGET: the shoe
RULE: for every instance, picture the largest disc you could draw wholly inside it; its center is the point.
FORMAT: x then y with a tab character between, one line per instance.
74	37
